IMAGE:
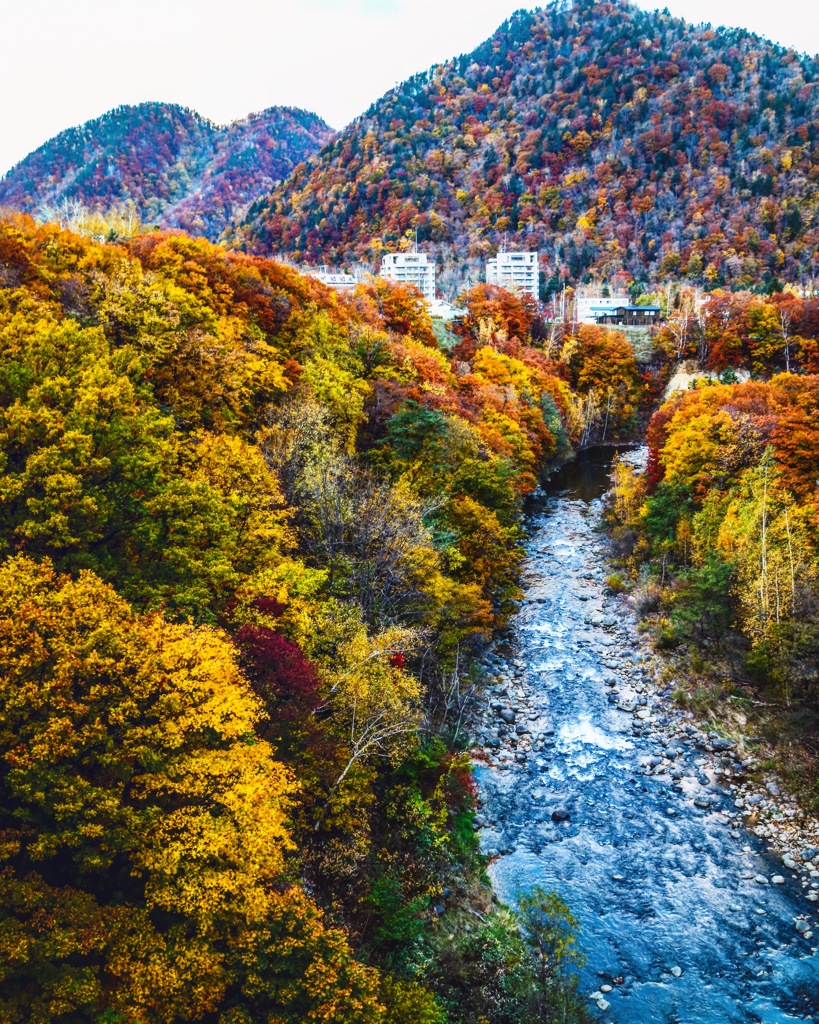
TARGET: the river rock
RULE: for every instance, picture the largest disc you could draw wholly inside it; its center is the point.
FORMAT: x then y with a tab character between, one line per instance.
560	815
722	744
777	880
677	972
508	715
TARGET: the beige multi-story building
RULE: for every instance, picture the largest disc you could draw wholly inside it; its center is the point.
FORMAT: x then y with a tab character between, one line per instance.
410	268
516	271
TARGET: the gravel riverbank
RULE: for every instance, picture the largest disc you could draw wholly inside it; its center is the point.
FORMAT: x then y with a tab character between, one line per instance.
696	880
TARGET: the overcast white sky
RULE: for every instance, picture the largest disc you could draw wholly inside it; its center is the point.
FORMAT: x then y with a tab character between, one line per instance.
64	61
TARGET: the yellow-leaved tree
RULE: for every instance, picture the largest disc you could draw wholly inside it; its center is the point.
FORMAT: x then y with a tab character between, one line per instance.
143	826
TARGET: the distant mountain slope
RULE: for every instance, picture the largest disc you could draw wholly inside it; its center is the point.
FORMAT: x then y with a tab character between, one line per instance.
180	169
605	136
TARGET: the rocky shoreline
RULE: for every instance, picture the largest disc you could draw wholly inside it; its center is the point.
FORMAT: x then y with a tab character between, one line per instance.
718	774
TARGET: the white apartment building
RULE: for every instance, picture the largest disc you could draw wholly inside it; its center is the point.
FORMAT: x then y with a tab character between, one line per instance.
516	271
410	268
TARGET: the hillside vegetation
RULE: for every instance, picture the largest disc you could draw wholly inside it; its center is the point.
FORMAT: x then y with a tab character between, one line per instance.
252	534
173	168
607	137
720	533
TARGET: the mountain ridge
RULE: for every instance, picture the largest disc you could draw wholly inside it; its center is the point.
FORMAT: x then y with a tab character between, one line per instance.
610	138
180	169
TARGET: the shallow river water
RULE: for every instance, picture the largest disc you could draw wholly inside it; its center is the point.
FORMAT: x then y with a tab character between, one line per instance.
677	914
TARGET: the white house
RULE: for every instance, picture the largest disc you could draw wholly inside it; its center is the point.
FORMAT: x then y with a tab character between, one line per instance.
332	278
442	310
589	307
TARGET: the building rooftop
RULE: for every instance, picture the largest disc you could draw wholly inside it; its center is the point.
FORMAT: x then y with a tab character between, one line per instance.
629	309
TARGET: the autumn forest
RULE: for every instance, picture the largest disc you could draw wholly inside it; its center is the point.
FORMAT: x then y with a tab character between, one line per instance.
257	535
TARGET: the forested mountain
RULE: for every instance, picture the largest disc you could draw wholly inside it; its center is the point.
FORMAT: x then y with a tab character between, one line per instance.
177	168
605	136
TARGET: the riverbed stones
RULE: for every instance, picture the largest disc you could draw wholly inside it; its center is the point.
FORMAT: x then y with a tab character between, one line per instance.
677	972
560	815
508	715
558	652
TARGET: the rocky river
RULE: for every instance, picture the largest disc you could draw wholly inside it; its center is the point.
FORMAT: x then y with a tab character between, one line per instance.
594	784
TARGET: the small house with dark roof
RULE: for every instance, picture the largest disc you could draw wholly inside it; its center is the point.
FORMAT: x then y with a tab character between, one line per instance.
630	316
